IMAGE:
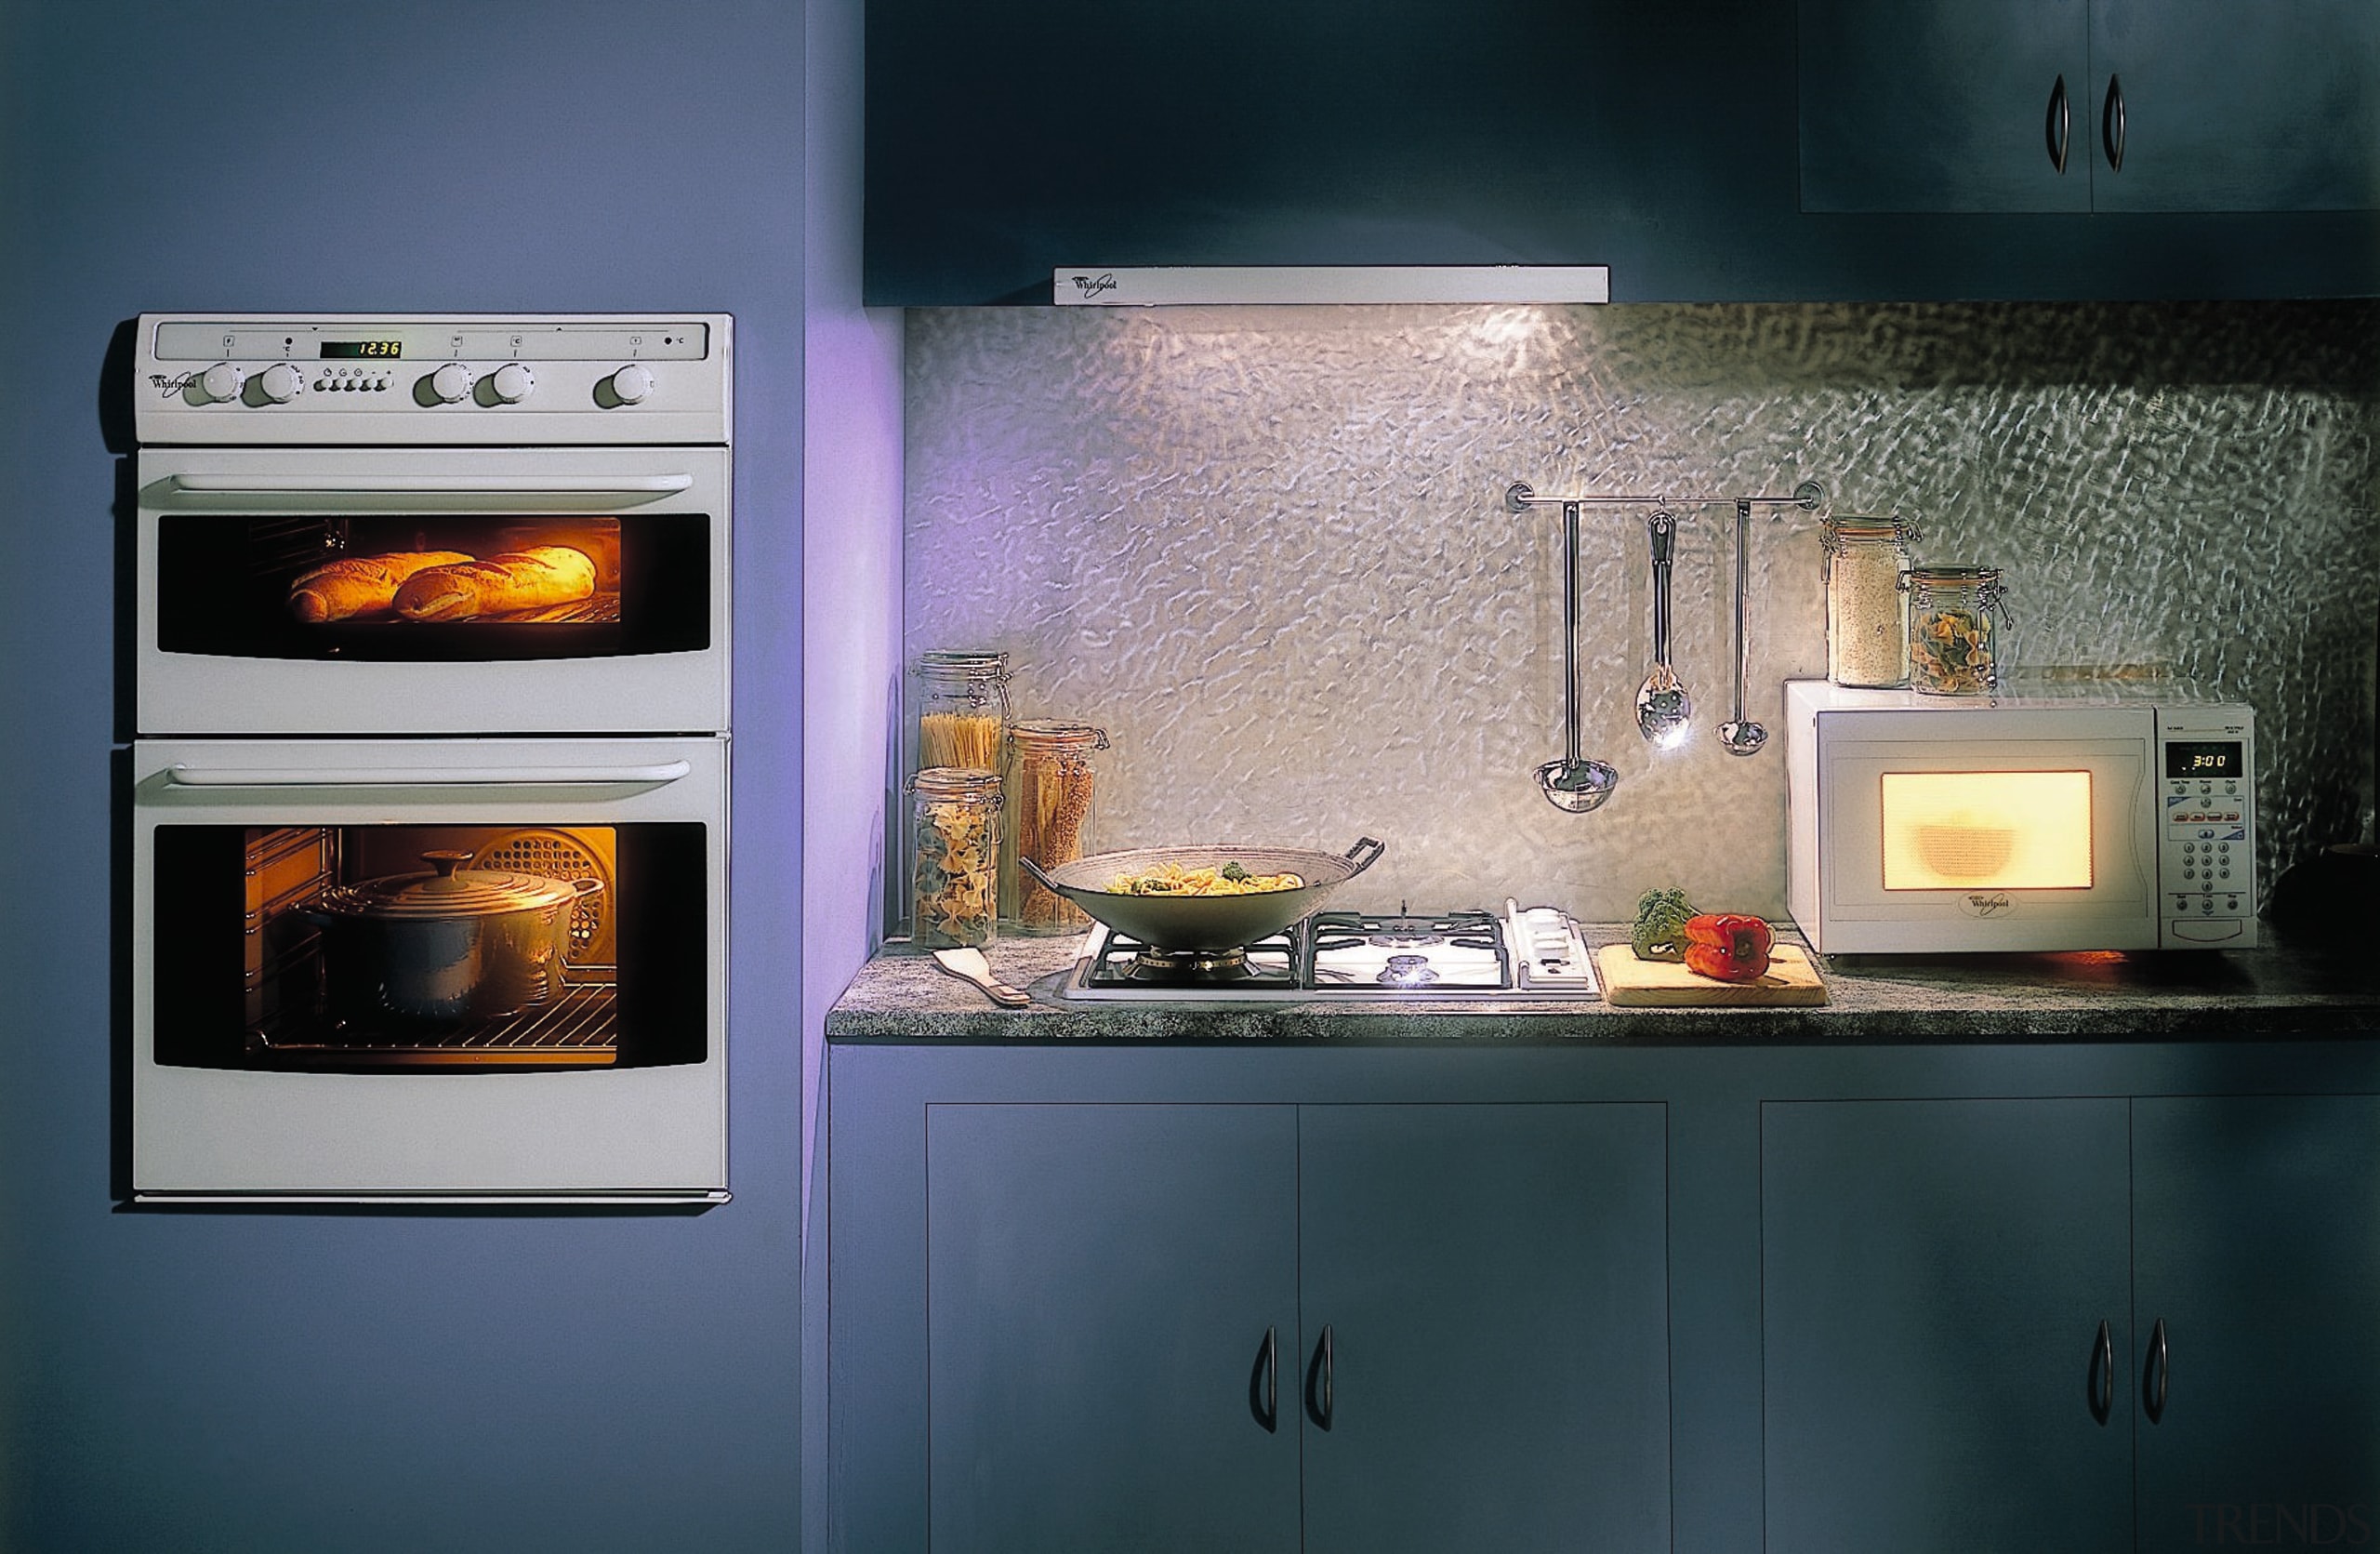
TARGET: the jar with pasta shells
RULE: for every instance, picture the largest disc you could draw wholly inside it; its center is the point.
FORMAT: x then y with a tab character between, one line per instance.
1959	635
962	710
955	827
1053	789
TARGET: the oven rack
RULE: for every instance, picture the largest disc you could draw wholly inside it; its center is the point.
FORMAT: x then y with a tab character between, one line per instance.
581	1028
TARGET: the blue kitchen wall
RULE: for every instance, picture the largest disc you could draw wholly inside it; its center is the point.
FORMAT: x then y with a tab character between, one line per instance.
262	1382
851	573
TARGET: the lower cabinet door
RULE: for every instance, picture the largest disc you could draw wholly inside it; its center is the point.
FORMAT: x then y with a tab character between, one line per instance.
1485	1317
1934	1275
2256	1320
1103	1281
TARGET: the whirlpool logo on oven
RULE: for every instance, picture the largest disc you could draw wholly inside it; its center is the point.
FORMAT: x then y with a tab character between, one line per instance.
1983	903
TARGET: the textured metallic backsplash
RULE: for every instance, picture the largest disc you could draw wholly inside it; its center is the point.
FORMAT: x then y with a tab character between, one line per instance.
1265	548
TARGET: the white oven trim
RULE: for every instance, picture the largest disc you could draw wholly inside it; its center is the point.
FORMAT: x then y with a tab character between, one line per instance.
641	1135
183	694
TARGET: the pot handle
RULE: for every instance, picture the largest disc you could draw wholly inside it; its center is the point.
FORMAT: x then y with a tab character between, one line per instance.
1364	854
586	887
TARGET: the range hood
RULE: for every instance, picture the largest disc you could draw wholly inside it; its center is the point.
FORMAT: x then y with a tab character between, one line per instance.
1160	285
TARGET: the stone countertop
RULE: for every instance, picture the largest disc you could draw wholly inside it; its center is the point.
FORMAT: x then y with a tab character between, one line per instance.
902	995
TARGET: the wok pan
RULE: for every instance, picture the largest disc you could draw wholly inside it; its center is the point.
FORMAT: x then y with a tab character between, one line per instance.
1204	924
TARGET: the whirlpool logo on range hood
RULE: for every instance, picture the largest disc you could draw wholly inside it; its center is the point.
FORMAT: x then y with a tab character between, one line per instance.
1161	285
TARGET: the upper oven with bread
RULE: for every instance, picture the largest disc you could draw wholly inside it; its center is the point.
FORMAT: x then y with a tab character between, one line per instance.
404	525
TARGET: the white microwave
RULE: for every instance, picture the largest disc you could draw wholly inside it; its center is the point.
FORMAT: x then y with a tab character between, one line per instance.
1925	824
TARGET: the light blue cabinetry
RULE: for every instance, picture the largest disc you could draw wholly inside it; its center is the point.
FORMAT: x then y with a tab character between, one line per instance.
1707	1297
1374	1328
2085	1324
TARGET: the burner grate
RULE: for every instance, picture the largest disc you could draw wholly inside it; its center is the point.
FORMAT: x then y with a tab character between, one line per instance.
1123	961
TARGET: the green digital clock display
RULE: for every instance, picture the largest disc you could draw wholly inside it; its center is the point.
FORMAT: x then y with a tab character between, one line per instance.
349	350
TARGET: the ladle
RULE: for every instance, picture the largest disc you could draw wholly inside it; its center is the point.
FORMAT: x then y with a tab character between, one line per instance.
1573	783
1663	706
1740	735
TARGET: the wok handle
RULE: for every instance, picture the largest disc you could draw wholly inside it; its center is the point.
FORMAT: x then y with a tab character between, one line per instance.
1035	870
1364	854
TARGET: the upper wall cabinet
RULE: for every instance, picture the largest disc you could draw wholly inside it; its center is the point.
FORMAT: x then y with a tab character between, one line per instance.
1915	160
2089	105
1006	139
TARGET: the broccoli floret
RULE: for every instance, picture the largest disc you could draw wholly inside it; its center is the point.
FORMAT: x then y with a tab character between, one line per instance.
1659	930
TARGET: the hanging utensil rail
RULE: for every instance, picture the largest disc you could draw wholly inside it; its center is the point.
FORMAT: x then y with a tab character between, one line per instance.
1572	782
1519	497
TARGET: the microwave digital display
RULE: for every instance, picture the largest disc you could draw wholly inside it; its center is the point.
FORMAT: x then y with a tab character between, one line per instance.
1987	831
2204	758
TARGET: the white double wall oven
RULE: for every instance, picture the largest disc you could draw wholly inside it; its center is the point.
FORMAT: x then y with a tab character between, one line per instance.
430	782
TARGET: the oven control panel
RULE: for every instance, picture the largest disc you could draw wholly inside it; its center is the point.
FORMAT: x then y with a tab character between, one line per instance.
393	379
2206	827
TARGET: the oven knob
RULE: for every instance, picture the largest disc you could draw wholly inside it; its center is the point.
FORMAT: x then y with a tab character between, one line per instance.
512	383
630	384
281	382
223	380
450	382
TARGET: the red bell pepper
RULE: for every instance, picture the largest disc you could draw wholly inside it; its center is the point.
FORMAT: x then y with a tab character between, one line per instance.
1727	947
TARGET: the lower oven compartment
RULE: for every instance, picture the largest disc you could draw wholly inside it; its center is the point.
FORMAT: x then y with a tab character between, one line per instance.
380	969
610	974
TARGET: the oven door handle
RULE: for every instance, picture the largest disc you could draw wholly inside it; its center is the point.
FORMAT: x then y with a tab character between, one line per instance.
513	492
659	773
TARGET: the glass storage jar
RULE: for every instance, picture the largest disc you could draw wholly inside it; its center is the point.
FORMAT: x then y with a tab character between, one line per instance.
1959	630
955	821
962	710
1867	620
1052	786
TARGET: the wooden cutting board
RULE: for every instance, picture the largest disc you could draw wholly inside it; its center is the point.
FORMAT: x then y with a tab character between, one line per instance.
1629	983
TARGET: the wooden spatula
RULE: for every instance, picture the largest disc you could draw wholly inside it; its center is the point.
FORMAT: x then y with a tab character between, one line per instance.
971	965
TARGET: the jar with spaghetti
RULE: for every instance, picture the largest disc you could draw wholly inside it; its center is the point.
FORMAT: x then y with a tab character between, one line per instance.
962	710
955	824
1051	786
1867	620
1959	630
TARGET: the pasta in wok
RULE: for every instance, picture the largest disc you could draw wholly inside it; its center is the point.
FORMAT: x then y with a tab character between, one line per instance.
1179	879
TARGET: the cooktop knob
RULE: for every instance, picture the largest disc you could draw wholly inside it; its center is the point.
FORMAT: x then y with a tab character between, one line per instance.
631	383
450	382
281	382
512	383
223	380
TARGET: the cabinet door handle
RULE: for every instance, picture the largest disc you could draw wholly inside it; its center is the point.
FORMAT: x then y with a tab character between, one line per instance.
2061	124
1264	1382
2111	124
1317	1380
2159	1368
2101	1381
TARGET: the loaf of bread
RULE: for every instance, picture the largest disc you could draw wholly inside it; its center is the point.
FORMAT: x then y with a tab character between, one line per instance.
358	585
526	580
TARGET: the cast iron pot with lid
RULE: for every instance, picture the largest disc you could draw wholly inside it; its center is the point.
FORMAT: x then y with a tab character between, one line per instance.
1204	924
453	944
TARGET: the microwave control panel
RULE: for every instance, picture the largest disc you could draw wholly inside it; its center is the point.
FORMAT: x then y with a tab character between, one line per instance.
2206	831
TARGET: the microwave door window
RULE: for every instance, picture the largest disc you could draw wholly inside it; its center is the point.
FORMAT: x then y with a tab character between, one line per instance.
1987	831
433	588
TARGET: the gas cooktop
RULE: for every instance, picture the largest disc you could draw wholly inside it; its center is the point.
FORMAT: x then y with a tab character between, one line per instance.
1535	953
